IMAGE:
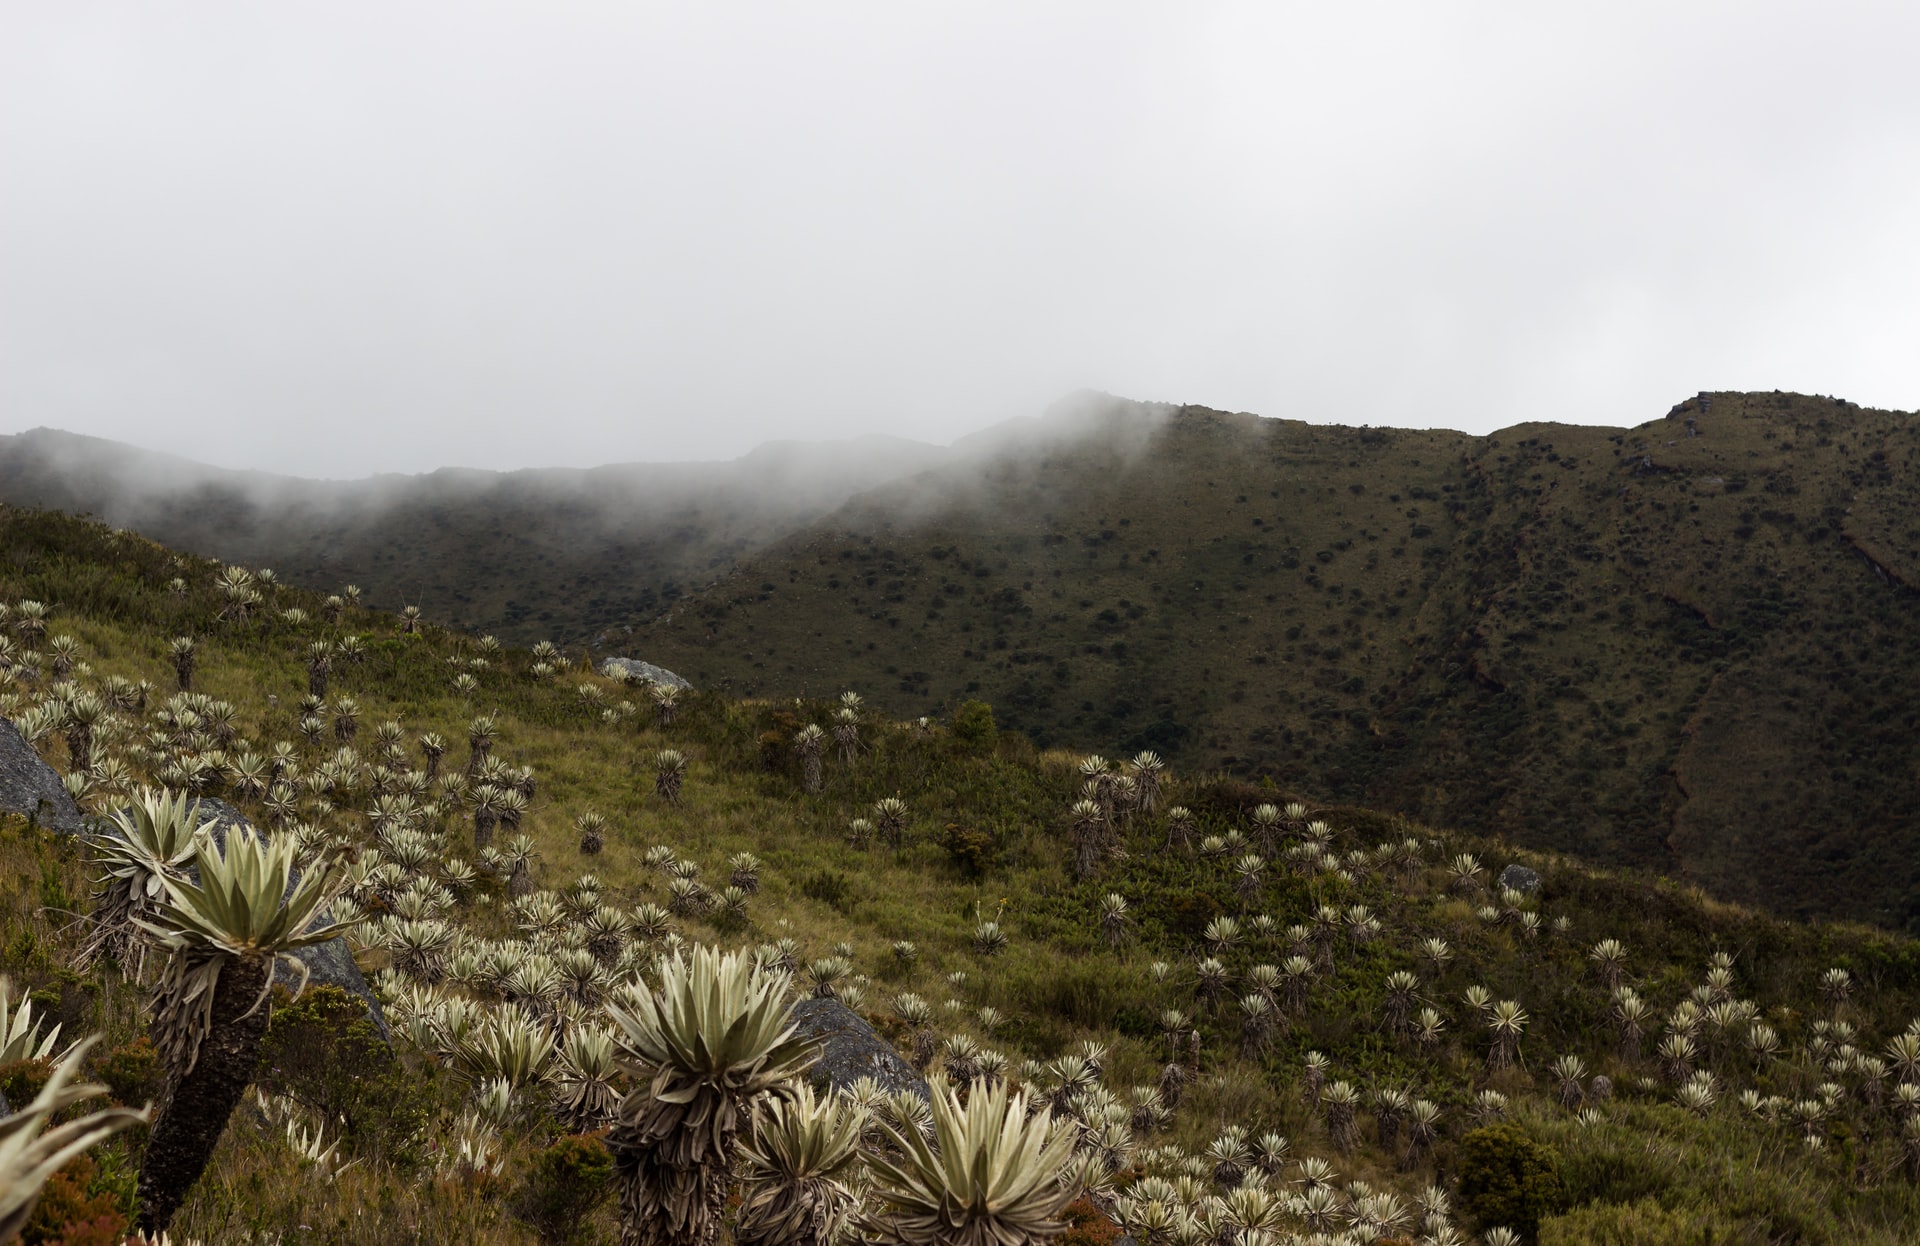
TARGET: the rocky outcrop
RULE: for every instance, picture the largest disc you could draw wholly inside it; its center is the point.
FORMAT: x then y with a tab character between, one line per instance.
634	668
1521	879
850	1049
29	786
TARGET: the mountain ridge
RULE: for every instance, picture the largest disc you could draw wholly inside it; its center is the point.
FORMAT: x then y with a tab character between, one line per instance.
470	546
1683	644
1518	616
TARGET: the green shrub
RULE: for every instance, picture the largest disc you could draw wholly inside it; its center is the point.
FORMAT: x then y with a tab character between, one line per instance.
830	888
565	1184
1048	998
1608	1164
1188	912
974	727
972	851
323	1052
131	1072
1506	1178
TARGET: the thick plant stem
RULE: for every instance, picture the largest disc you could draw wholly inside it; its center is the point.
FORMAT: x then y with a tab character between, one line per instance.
666	1205
195	1114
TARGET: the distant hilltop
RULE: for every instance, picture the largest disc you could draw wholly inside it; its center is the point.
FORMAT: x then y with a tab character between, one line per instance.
1685	644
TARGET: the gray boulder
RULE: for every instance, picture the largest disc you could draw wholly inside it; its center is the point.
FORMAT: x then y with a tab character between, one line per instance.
220	818
633	668
329	963
1521	879
31	787
850	1049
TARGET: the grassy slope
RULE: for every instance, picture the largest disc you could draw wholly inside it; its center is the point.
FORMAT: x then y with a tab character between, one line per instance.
1687	653
1057	983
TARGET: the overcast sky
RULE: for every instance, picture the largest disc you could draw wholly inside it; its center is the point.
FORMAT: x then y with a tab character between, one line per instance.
341	238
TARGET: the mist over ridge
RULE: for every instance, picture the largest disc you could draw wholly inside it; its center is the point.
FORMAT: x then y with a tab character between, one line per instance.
1590	639
533	553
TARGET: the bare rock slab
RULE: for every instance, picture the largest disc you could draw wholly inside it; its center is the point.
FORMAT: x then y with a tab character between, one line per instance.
32	788
634	668
1521	879
850	1049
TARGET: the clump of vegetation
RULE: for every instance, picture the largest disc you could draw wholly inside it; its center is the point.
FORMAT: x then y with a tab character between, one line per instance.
566	1182
971	850
973	725
1508	1179
43	1136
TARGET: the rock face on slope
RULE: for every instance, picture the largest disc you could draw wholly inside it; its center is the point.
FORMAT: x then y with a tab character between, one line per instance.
851	1049
1521	879
613	668
31	787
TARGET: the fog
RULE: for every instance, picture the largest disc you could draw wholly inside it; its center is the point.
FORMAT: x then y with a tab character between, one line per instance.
784	483
136	488
347	239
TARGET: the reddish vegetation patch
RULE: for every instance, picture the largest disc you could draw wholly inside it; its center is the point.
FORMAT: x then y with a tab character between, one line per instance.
1087	1225
21	1080
69	1215
108	1230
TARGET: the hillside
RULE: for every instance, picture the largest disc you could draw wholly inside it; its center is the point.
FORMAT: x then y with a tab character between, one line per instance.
1320	1021
531	555
1686	645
